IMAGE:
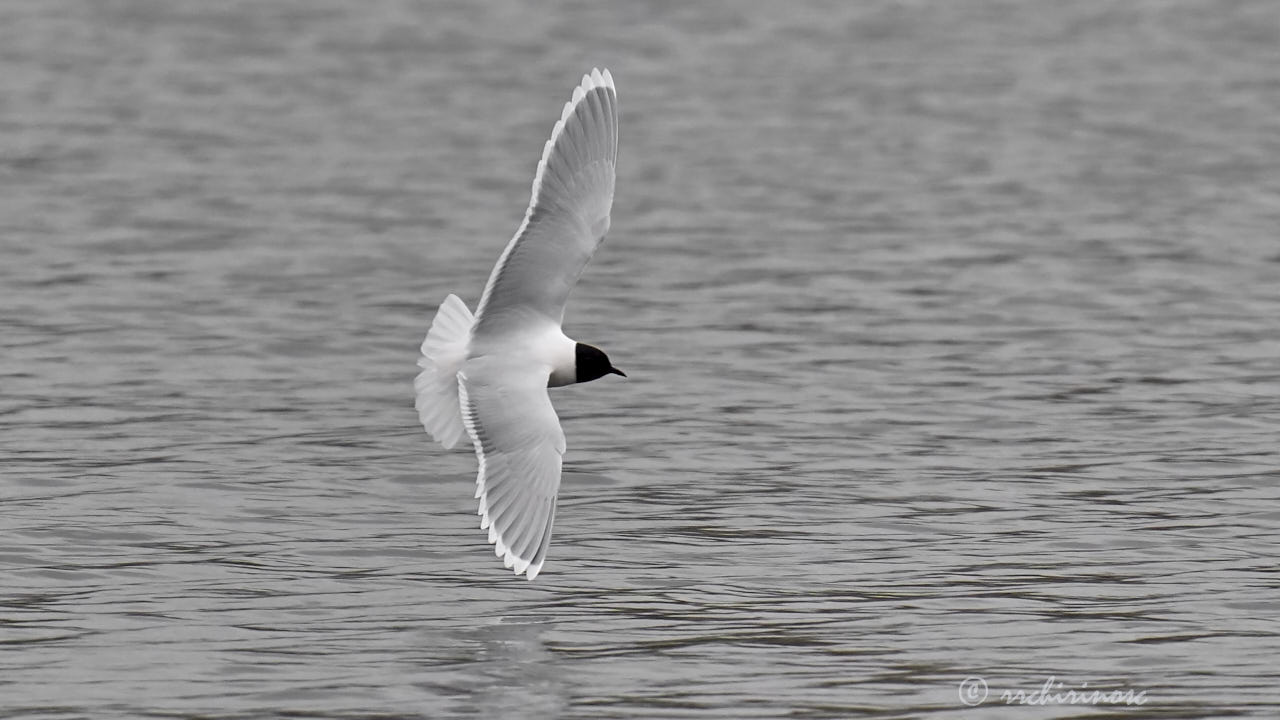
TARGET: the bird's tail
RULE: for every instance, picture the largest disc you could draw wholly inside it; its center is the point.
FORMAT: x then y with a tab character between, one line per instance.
436	386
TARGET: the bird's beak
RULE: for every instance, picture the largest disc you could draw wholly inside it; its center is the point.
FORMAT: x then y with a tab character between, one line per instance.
616	371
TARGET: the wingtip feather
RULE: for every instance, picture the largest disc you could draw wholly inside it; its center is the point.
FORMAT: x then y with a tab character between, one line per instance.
520	564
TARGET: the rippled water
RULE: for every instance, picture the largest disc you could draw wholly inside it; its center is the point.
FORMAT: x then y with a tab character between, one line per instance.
951	331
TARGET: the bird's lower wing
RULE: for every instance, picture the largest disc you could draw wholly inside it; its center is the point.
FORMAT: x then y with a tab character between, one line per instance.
519	443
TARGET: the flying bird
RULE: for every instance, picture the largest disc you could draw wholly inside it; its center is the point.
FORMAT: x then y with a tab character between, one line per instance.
486	375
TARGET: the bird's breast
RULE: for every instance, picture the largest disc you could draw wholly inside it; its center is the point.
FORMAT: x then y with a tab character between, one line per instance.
546	347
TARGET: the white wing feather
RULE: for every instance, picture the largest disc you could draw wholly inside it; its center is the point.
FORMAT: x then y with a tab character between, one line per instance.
519	445
568	214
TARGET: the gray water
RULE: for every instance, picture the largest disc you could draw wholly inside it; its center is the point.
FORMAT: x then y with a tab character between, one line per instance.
953	334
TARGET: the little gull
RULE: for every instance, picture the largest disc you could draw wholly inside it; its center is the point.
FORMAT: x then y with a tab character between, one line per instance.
486	374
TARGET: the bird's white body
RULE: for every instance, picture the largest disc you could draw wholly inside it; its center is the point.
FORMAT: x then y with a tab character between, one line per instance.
486	375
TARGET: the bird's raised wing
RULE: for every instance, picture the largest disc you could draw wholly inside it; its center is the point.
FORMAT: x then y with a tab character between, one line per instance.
567	218
519	443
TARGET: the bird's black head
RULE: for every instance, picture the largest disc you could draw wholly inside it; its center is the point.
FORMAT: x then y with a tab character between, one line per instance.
592	363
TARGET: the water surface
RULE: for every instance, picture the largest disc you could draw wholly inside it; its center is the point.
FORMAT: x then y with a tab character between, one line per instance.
950	327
